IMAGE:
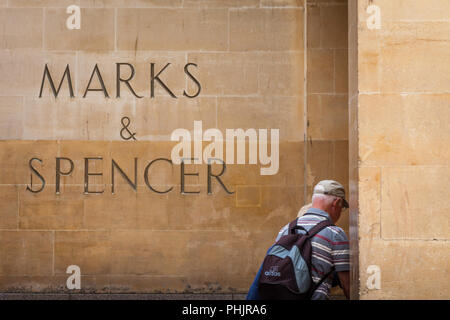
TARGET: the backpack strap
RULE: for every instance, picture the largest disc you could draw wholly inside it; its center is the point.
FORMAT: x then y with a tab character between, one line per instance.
316	286
318	227
294	226
314	230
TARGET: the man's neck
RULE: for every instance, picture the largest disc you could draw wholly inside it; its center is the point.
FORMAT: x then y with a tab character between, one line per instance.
321	211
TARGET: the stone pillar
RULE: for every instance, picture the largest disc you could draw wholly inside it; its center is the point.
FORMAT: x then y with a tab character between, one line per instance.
399	157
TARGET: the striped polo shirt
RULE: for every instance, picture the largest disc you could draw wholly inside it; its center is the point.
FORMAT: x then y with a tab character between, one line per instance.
330	247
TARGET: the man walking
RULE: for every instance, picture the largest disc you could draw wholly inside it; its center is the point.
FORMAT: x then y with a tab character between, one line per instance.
329	247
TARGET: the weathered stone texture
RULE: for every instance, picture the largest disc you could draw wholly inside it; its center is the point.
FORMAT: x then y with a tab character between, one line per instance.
167	29
266	29
256	70
99	22
399	129
28	35
327	97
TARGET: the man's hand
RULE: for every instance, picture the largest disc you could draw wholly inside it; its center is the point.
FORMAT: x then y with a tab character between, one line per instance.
344	279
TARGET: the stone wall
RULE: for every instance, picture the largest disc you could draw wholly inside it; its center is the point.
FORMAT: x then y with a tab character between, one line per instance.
252	65
327	96
399	157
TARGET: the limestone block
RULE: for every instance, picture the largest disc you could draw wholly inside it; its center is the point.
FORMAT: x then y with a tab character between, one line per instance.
28	35
403	290
70	119
226	73
282	3
353	50
327	160
90	118
242	174
107	211
266	29
39	119
312	2
413	133
276	73
103	119
423	50
11	117
213	262
369	185
248	196
96	32
283	113
383	51
89	250
127	209
220	3
409	259
167	29
412	206
161	116
328	117
320	77
341	71
279	206
333	27
131	3
281	74
291	167
42	3
314	25
200	211
25	70
148	252
353	129
320	164
369	64
15	157
48	211
414	11
26	253
341	159
9	207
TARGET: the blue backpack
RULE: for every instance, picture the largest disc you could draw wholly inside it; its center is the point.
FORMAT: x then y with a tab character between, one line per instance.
286	271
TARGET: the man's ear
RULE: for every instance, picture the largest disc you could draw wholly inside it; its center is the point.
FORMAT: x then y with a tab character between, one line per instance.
337	201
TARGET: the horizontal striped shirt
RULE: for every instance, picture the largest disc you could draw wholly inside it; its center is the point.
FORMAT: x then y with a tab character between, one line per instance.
330	247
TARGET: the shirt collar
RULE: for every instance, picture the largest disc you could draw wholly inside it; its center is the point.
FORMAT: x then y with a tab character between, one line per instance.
319	212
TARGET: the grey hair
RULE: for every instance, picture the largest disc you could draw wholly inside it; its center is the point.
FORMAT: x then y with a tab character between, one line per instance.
328	199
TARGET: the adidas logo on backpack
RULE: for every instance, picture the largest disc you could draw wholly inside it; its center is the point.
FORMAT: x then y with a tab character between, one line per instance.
273	272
